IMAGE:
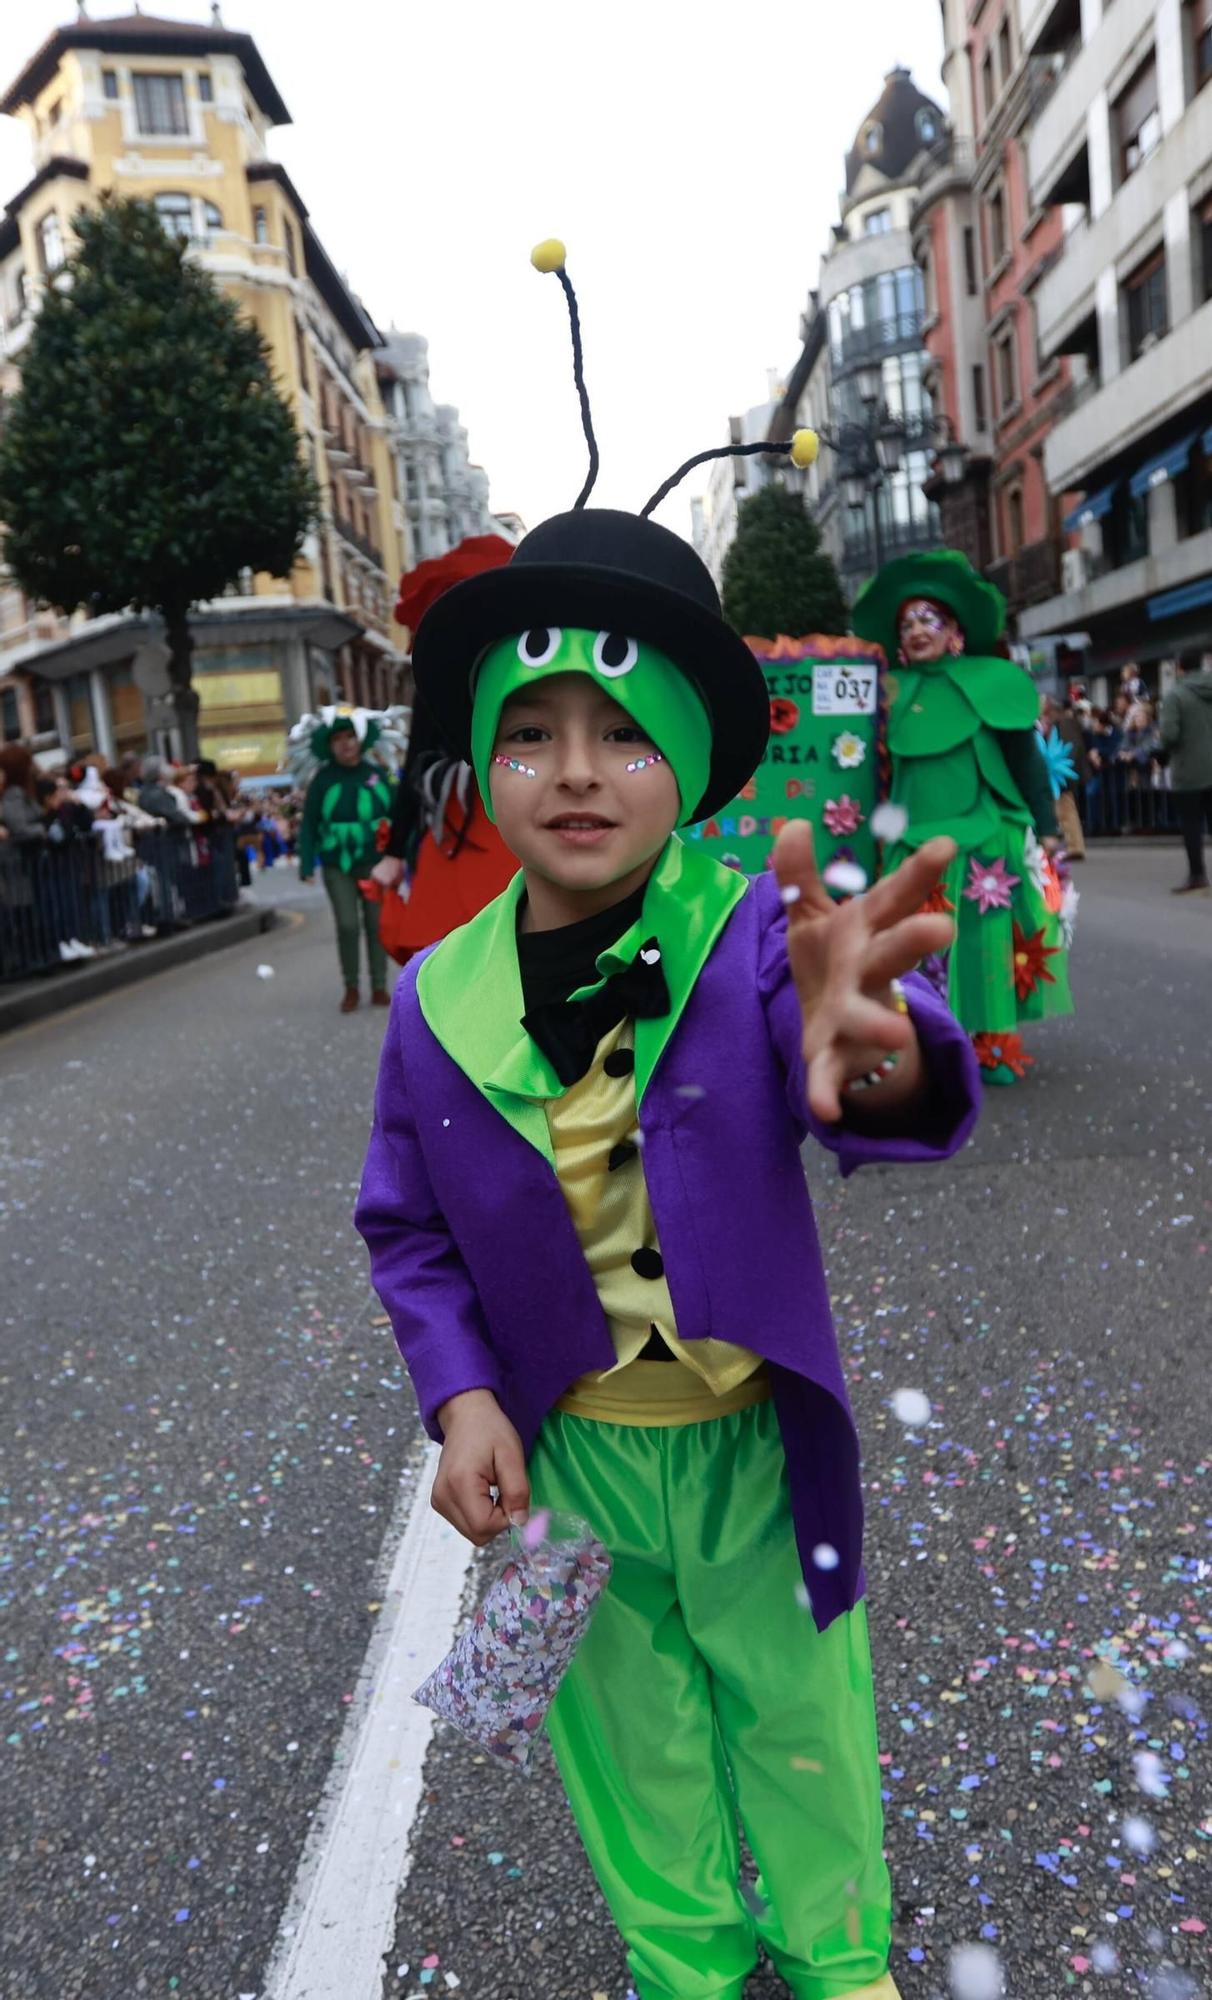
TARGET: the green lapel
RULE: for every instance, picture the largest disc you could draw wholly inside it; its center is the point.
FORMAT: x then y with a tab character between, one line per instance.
470	989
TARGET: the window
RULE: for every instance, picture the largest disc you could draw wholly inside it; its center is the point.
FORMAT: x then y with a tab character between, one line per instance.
997	225
971	276
176	213
1205	243
873	140
206	88
51	252
1201	37
877	222
301	347
1195	494
109	84
44	709
1005	52
21	291
10	715
213	215
160	104
55	113
1014	521
1007	371
1138	120
979	413
1148	308
988	83
926	121
1128	537
292	259
260	226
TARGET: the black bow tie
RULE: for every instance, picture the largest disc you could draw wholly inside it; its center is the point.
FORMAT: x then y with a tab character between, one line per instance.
568	1031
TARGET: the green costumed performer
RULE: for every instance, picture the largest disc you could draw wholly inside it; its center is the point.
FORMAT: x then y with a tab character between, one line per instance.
345	758
966	762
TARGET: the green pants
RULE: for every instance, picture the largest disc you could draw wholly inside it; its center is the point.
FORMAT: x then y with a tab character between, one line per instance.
348	903
704	1691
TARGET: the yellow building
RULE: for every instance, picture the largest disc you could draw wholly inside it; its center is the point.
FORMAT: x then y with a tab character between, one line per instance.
180	115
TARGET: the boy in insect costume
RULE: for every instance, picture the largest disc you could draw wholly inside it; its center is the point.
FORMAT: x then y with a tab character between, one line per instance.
588	1220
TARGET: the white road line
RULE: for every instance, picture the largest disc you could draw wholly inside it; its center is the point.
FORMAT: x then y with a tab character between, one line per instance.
339	1918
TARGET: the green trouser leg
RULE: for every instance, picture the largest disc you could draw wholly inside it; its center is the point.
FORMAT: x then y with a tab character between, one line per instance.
344	897
349	906
703	1690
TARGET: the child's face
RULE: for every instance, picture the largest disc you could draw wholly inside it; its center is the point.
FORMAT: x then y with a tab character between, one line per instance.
575	813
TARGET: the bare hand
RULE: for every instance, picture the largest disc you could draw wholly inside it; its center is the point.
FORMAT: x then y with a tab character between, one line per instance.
482	1453
1051	844
388	871
845	955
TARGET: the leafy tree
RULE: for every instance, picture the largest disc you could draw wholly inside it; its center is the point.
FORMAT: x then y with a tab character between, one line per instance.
147	457
777	578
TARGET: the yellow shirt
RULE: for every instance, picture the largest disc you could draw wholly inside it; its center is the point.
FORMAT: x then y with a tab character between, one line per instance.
592	1122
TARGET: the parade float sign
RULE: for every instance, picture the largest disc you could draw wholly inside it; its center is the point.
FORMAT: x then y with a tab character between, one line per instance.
825	761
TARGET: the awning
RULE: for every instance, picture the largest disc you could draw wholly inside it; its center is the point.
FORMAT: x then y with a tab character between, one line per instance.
1156	471
1173	602
1093	508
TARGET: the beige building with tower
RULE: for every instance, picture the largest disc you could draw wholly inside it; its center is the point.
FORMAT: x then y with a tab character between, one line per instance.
180	115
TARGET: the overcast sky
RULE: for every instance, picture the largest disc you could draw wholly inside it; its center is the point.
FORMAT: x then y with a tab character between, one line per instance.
689	155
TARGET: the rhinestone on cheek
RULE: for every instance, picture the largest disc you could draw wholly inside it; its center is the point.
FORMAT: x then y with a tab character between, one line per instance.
514	764
642	763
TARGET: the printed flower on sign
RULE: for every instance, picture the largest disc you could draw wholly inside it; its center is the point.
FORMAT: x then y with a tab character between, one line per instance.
1002	1052
844	815
989	885
1031	957
783	716
849	750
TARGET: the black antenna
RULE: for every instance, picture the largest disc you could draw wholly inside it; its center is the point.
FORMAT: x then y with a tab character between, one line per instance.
801	449
549	258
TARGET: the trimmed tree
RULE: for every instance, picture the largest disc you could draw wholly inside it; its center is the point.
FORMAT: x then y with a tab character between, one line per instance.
147	457
777	577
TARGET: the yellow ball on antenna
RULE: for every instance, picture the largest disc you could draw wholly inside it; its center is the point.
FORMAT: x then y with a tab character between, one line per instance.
548	255
805	448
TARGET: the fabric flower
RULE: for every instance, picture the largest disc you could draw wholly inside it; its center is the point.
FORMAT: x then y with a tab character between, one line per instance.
1054	894
783	716
937	904
989	885
936	971
1002	1052
1062	771
1031	957
844	815
1036	860
1068	913
849	750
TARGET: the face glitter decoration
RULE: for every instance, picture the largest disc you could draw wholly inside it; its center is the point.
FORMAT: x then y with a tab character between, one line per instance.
515	764
642	763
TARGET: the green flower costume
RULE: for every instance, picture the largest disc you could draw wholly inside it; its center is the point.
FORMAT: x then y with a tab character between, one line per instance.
966	762
343	812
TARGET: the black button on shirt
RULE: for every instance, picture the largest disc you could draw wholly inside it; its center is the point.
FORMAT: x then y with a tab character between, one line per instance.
620	1154
647	1263
620	1062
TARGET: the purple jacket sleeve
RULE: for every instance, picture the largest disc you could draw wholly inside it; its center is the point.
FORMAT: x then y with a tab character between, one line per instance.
415	1264
935	1130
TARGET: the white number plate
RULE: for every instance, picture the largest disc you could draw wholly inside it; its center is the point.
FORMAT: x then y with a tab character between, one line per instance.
844	690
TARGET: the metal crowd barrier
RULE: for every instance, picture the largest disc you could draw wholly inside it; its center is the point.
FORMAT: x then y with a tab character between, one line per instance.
1123	800
53	898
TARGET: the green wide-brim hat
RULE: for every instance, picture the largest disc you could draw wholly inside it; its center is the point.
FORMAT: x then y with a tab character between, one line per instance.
944	575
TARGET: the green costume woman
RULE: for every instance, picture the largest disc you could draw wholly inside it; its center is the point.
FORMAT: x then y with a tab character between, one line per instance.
349	797
966	762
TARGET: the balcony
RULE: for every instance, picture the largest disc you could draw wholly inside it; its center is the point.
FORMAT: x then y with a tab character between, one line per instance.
1048	25
1031	575
871	343
349	533
1125	414
896	538
1066	295
1061	131
1115	591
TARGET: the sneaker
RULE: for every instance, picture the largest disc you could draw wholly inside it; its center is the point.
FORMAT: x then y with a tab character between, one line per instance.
79	950
68	953
1198	885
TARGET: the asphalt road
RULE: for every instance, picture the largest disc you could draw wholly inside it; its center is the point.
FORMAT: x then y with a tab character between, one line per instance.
204	1433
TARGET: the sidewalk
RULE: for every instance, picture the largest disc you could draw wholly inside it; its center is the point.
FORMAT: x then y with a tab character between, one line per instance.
34	999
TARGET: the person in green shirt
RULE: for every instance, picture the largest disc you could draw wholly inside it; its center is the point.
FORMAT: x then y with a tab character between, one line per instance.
348	799
967	762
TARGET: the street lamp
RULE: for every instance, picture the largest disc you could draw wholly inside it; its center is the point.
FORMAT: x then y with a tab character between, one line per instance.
890	445
953	458
870	385
855	484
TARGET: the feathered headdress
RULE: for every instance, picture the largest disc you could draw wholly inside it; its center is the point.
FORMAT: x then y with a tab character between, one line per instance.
382	735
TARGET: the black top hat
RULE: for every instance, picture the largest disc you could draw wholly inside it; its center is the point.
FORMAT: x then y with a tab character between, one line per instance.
603	571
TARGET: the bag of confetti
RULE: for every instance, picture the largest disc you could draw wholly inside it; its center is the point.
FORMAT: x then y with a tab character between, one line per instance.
500	1677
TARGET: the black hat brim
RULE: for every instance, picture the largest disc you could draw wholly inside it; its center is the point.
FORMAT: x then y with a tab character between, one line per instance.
465	621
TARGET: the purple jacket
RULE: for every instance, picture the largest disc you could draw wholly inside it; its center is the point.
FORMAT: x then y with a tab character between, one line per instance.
475	1257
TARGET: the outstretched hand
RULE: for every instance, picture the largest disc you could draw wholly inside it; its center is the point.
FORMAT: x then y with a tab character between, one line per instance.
844	957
